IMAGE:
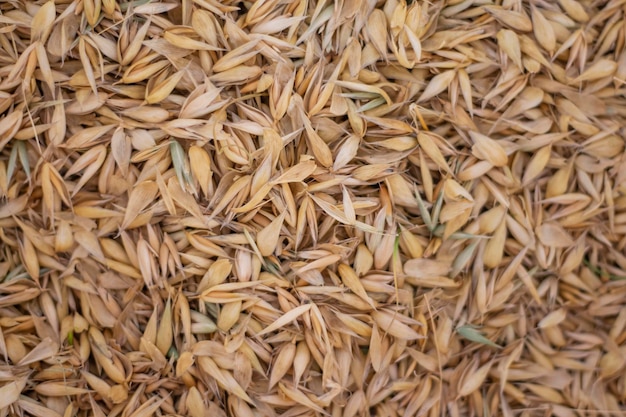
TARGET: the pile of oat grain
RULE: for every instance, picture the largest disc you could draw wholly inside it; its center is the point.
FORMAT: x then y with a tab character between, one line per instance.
312	208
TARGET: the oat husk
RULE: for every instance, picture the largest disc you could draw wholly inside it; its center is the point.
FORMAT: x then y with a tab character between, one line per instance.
302	208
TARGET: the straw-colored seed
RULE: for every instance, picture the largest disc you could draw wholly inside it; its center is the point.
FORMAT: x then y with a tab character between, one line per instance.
473	380
350	278
229	315
537	164
58	389
97	384
284	361
509	43
574	10
301	361
267	239
494	250
164	332
515	20
558	184
552	234
363	260
438	84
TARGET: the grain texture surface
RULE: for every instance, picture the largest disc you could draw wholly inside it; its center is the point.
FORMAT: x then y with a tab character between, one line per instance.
312	208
